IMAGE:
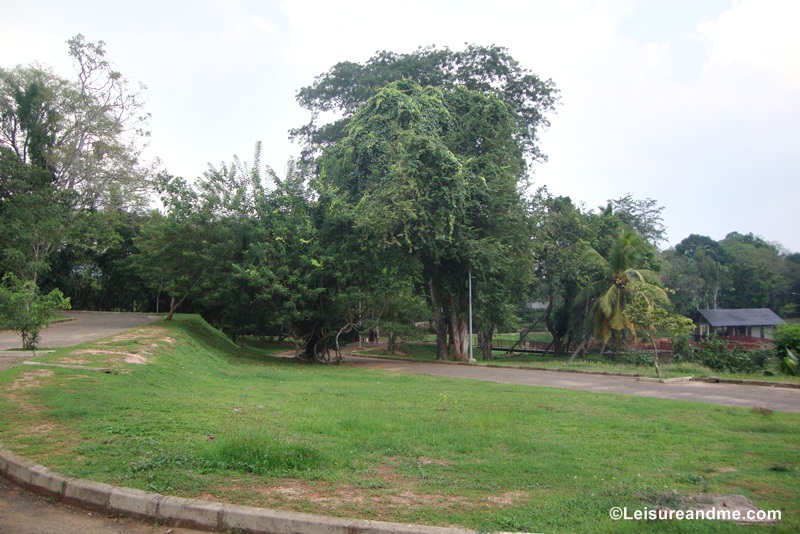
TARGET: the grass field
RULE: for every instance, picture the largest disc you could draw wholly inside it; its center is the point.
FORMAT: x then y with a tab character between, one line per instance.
187	413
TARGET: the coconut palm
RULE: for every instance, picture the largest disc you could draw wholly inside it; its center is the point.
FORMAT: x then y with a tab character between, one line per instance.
628	260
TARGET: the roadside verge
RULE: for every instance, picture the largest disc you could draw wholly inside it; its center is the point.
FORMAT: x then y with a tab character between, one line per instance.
189	513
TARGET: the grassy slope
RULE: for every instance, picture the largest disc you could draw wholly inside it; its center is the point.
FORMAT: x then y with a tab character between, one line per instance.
203	418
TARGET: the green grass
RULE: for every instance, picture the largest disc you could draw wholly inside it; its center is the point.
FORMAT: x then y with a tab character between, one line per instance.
206	419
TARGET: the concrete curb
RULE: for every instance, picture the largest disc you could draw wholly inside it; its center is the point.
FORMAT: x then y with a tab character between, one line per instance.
741	382
190	513
665	380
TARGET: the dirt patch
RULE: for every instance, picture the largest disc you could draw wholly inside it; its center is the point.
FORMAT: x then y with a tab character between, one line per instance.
153	333
334	498
114	356
31	379
72	361
726	469
389	501
428	461
44	428
508	498
725	506
102	352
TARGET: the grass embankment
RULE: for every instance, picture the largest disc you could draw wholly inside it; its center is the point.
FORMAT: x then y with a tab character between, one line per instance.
188	413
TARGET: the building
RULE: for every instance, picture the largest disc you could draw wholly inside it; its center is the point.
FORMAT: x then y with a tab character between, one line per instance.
753	322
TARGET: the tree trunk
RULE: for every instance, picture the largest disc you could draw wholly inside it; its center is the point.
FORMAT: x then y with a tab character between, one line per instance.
655	357
523	335
158	296
556	343
485	341
585	334
439	321
459	332
174	306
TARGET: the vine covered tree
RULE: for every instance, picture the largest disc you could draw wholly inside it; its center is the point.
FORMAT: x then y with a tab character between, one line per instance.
413	179
451	155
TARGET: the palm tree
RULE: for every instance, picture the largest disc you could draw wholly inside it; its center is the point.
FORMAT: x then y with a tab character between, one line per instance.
628	261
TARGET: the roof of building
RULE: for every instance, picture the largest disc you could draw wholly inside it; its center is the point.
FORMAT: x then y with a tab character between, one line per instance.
745	317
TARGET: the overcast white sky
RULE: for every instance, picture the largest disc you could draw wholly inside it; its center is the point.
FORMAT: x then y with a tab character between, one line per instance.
695	103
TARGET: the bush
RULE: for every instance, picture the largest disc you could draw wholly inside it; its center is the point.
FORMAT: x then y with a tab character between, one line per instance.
636	358
25	310
787	347
715	355
682	351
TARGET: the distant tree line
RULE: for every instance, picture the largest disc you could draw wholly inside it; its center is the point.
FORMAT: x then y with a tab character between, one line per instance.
416	193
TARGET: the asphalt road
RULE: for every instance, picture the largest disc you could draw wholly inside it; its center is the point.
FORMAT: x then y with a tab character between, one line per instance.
24	513
774	398
84	326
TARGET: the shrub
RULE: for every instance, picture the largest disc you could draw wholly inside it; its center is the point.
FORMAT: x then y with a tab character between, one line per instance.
682	351
637	358
715	355
787	347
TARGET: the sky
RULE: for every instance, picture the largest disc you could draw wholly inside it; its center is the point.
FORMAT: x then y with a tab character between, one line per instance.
693	103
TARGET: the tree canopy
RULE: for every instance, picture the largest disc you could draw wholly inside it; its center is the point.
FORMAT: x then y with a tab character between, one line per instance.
413	200
87	132
489	70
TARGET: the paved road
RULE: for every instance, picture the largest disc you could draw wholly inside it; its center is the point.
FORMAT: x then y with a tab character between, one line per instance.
774	398
24	513
86	326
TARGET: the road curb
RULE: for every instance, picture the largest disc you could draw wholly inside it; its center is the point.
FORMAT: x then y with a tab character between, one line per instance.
190	513
665	380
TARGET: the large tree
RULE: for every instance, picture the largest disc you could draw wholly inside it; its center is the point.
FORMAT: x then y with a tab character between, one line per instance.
450	160
565	264
435	174
70	172
87	132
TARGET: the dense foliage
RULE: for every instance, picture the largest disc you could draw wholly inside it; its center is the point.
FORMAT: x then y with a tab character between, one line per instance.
416	194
